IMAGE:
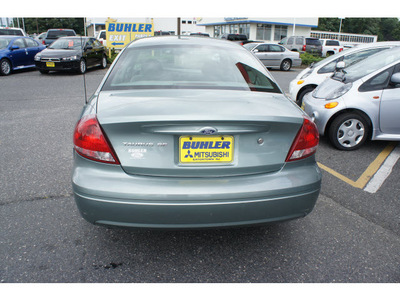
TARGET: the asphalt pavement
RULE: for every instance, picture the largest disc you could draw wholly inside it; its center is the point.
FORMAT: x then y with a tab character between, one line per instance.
351	236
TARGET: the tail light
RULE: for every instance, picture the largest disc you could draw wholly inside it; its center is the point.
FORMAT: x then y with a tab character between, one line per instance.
306	142
304	47
91	142
340	49
43	42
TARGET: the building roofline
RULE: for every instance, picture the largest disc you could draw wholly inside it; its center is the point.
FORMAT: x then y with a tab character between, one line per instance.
255	21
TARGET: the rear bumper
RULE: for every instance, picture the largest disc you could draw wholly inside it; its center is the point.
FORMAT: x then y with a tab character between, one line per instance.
106	195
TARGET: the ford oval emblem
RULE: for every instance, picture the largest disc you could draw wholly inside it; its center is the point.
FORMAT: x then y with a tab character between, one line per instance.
208	130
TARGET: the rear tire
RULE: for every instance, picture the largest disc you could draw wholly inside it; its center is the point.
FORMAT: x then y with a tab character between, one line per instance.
348	131
286	65
5	67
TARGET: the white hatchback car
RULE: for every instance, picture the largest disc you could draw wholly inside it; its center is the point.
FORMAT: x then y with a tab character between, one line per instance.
311	77
360	102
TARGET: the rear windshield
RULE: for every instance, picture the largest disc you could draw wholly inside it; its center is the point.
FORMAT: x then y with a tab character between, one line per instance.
189	67
10	32
55	34
332	43
237	37
313	42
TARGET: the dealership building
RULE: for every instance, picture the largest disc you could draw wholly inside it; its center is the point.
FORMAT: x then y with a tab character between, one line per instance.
260	29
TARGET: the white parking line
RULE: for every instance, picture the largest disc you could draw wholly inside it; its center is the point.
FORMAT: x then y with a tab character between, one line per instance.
384	171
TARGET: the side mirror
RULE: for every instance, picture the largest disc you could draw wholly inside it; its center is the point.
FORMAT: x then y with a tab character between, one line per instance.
395	78
255	51
14	47
340	65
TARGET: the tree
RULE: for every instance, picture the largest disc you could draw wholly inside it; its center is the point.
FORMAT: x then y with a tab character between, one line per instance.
38	25
387	29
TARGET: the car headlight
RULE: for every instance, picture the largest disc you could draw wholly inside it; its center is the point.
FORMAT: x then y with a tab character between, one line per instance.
37	57
339	92
74	57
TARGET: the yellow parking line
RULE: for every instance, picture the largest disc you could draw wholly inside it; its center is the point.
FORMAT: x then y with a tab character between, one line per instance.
368	173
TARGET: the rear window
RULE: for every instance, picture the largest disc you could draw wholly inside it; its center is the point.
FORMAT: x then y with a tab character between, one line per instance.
237	37
313	42
55	34
103	35
332	43
189	67
4	31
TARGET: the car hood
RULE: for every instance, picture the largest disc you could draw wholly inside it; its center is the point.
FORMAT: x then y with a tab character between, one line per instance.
326	87
58	53
165	105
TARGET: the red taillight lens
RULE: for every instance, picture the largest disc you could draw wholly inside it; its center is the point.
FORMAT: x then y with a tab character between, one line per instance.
341	49
306	142
304	47
91	142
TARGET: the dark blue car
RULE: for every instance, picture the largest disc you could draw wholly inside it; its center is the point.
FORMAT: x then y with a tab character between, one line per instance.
17	52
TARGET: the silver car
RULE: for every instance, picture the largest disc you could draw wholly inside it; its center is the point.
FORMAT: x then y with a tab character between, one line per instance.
360	102
186	132
274	56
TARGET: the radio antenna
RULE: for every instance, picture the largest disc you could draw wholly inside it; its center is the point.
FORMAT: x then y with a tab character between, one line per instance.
84	76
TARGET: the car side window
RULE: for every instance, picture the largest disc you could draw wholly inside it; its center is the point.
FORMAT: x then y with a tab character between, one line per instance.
290	41
378	82
328	68
275	48
20	43
299	41
31	43
262	48
96	43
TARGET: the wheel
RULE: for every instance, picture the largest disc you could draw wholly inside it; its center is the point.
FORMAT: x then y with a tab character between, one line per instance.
286	65
348	131
5	67
82	66
307	90
44	71
104	62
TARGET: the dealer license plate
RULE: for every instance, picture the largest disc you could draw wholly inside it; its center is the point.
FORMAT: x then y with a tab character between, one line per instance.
206	149
50	64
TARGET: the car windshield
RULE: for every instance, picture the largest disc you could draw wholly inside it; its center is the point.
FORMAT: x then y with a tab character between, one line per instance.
190	67
68	43
4	42
249	46
369	65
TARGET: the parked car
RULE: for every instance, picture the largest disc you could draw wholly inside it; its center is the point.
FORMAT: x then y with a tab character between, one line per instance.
302	44
71	53
274	56
12	31
40	38
17	52
200	34
360	102
188	132
236	37
307	80
330	47
102	37
53	34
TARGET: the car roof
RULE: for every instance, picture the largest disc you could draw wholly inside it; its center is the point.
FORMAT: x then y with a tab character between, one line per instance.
182	39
